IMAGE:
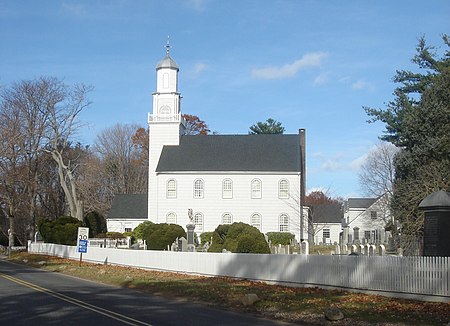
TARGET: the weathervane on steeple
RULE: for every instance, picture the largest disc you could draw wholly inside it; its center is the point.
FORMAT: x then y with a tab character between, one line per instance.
168	45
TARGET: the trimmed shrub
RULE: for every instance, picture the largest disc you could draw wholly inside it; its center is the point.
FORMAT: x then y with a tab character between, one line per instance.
138	230
63	230
4	241
205	237
114	235
283	238
239	237
96	223
159	236
248	245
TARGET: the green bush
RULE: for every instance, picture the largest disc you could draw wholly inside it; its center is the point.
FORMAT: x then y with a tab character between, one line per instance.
247	244
283	238
114	235
205	237
63	230
239	237
159	236
138	230
96	223
4	241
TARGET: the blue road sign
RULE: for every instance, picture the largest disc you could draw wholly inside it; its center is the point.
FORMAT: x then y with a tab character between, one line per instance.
82	246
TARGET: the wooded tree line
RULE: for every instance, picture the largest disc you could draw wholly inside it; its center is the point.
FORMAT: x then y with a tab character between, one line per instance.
46	173
417	123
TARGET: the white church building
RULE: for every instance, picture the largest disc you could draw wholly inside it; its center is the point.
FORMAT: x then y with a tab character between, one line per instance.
255	179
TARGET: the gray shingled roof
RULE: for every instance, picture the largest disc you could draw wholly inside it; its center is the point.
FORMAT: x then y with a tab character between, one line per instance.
167	62
361	202
130	206
263	153
327	213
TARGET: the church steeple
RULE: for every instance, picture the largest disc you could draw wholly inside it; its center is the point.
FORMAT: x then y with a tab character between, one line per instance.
166	99
166	124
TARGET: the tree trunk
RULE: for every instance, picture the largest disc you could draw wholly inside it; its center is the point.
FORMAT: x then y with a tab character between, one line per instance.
70	190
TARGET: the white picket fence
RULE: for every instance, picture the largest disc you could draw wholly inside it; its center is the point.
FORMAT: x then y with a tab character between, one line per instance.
423	278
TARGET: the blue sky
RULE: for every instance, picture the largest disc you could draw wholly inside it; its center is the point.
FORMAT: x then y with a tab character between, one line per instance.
308	64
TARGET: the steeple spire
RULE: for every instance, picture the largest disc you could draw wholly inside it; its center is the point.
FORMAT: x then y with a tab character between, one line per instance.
168	45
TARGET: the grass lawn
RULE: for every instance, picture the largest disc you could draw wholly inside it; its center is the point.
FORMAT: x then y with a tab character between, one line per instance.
305	305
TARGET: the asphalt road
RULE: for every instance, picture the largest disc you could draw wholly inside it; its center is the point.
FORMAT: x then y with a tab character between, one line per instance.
30	296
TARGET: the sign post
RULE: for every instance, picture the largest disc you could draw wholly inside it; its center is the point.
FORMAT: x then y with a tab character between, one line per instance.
82	241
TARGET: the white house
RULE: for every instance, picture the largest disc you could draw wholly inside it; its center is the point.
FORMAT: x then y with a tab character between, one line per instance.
127	212
327	223
223	178
365	220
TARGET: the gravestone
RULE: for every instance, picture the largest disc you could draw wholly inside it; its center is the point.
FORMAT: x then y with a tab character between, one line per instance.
305	247
182	244
381	250
372	250
353	249
436	225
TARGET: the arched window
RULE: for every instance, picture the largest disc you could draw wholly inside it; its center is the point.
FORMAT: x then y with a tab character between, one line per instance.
199	188
227	189
283	189
256	189
284	223
255	221
227	218
171	218
171	188
198	221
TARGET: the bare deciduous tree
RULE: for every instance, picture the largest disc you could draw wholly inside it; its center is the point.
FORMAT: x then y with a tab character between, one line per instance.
378	171
63	105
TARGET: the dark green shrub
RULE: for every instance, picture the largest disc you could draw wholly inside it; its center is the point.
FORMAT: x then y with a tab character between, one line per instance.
159	236
247	244
283	238
205	237
114	235
239	237
4	241
138	230
96	223
63	230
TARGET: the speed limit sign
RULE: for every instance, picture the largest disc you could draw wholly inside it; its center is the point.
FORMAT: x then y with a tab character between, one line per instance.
82	239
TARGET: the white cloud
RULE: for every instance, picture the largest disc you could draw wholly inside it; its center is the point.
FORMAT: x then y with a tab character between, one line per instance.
361	84
331	165
322	79
199	67
313	59
198	5
357	162
74	8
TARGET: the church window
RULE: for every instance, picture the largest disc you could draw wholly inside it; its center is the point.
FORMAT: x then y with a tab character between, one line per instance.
227	189
227	218
356	233
171	218
198	221
198	188
256	221
166	80
283	189
256	189
171	188
284	223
